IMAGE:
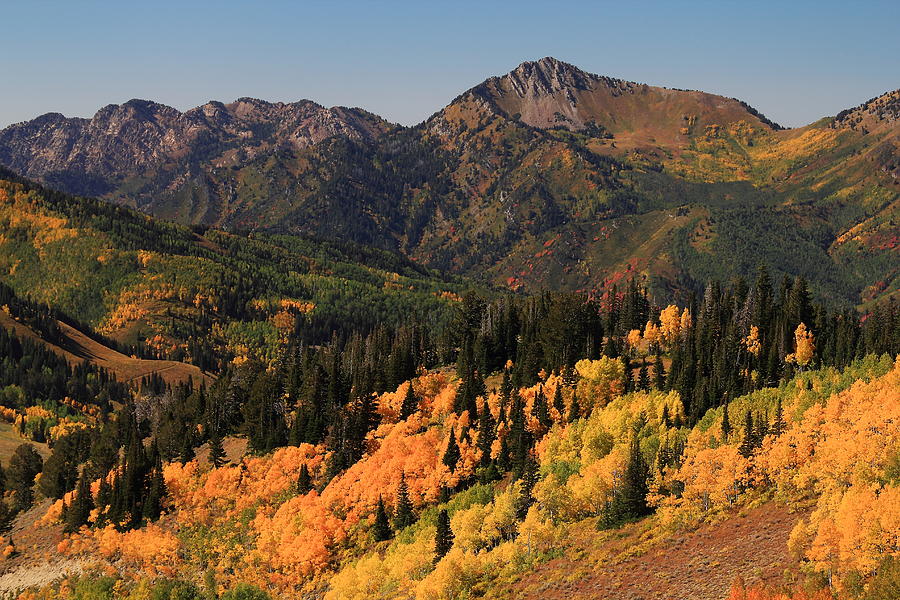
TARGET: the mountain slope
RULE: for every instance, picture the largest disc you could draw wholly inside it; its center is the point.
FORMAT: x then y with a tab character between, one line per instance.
76	347
142	152
200	297
547	176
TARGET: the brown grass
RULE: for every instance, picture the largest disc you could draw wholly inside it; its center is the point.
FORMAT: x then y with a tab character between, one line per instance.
9	441
76	347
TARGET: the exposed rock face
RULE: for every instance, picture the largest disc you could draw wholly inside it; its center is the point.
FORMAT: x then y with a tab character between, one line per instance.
90	156
548	76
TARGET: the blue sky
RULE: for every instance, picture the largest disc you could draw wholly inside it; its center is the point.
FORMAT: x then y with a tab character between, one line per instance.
795	61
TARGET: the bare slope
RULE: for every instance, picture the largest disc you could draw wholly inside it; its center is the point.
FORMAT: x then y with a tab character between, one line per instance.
76	347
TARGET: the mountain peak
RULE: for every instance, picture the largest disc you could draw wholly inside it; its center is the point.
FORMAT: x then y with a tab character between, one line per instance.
548	76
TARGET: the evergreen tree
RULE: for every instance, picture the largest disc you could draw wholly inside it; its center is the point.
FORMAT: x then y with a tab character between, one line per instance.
304	480
104	497
24	465
643	377
216	451
628	377
762	429
527	482
451	454
79	511
540	410
403	511
778	426
749	441
632	497
487	433
381	529
186	454
659	373
519	438
506	389
60	471
558	402
152	502
410	403
574	408
6	517
444	536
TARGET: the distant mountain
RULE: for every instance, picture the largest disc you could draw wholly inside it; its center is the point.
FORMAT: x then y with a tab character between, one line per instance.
550	94
546	177
142	153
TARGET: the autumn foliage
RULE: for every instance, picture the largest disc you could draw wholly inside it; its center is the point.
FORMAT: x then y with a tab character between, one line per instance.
838	448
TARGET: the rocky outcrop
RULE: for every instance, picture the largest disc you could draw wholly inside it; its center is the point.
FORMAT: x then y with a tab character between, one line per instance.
139	137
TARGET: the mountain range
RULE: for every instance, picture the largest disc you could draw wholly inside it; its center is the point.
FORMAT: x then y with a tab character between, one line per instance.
546	177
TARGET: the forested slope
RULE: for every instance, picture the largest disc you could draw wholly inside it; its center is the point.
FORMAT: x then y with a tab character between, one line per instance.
368	477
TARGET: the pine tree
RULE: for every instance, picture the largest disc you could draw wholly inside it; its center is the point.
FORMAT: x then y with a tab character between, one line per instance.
506	389
451	454
540	410
104	497
381	529
628	378
304	480
78	513
186	454
519	438
558	402
574	408
762	429
443	541
665	418
749	442
778	426
403	511
527	482
216	451
633	494
487	433
152	504
24	465
659	373
504	458
410	403
116	513
643	377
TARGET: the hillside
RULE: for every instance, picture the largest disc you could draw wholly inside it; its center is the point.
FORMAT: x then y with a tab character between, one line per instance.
766	515
200	297
76	348
722	442
547	176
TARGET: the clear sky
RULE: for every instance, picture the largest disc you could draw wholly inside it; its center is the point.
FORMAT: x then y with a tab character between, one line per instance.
795	61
